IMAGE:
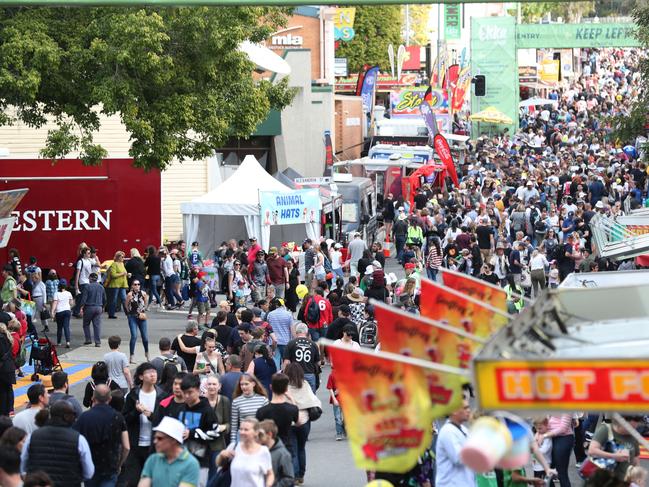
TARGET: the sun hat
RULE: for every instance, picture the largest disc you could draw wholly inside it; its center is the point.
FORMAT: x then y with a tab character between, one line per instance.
356	295
172	428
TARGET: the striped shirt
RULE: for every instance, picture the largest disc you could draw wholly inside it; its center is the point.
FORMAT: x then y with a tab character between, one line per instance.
244	407
434	259
561	425
281	320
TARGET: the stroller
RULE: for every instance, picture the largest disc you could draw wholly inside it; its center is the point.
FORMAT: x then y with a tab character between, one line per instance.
44	357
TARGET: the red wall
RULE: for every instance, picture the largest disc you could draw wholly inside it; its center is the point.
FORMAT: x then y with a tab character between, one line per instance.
117	211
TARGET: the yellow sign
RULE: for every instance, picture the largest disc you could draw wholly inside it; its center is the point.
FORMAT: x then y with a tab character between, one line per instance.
563	385
549	71
344	17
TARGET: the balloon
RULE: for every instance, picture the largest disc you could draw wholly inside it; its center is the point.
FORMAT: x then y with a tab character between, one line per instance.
301	291
630	151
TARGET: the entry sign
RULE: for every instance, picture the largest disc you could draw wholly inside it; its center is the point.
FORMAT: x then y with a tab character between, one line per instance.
563	385
314	181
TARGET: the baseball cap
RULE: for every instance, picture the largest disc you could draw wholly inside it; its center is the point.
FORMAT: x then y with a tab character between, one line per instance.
409	265
172	428
338	246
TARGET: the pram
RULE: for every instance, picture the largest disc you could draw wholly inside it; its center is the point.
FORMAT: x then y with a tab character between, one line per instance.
43	356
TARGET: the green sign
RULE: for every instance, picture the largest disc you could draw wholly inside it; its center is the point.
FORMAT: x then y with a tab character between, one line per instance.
452	21
540	36
493	55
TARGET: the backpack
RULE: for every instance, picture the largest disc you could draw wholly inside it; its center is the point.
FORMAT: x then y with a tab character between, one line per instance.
313	311
171	360
367	334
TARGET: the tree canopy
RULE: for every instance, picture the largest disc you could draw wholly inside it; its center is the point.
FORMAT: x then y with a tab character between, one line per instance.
375	28
174	76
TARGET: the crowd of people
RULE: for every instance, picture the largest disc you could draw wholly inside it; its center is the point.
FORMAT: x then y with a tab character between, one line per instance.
230	399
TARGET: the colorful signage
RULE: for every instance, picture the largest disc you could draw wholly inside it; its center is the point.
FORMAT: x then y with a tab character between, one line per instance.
10	199
563	385
412	58
344	24
476	288
539	36
387	409
405	103
452	21
6	227
443	150
384	82
549	71
286	208
493	55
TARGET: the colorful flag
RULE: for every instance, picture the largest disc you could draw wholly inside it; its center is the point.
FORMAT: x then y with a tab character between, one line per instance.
386	405
413	336
444	304
329	153
444	152
476	288
428	116
461	89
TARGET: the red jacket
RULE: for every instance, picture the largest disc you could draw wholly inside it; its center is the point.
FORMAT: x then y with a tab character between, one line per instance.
326	312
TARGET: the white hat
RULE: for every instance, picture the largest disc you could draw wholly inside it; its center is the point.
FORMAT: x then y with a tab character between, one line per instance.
338	246
599	204
376	264
171	427
369	270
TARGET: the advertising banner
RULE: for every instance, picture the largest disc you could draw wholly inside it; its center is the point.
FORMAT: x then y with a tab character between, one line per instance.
385	82
299	206
10	199
476	288
444	304
462	87
493	55
344	23
539	36
443	150
549	71
407	334
6	226
563	385
429	119
405	103
452	21
386	406
412	61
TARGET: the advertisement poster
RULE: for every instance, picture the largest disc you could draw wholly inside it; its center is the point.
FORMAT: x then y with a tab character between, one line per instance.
407	334
344	24
462	88
405	103
386	407
493	55
6	226
299	206
452	21
476	288
9	200
549	71
449	306
563	385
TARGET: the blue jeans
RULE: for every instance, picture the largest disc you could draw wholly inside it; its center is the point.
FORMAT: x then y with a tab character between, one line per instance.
63	325
299	436
432	274
399	242
317	333
338	420
154	283
101	481
115	294
77	300
170	290
133	324
561	450
279	356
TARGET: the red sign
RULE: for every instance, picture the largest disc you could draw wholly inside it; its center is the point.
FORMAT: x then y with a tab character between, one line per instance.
111	207
444	152
384	82
413	59
563	385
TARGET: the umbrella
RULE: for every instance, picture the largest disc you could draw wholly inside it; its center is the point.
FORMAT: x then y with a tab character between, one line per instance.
537	101
491	115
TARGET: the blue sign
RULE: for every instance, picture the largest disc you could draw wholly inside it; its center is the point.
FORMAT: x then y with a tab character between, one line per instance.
299	206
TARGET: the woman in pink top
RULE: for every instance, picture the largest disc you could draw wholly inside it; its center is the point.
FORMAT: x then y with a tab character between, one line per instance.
560	429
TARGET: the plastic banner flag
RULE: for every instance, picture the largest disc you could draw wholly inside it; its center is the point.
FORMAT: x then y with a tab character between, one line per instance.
458	96
386	405
444	152
429	117
444	304
413	336
476	288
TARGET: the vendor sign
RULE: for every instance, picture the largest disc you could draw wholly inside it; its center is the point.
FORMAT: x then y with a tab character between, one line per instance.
405	103
300	206
563	385
9	200
6	226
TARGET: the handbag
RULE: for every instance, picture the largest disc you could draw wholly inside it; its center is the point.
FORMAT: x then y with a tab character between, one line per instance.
314	413
591	465
141	316
45	314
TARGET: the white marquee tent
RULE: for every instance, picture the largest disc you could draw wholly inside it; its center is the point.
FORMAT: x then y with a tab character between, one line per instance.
231	210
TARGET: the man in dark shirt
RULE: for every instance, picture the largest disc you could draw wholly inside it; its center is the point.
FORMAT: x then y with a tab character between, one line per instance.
105	430
233	373
190	340
421	199
280	409
93	300
277	272
485	236
335	329
303	351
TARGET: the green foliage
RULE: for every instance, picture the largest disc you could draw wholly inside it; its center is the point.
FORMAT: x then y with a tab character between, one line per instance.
174	76
569	11
376	27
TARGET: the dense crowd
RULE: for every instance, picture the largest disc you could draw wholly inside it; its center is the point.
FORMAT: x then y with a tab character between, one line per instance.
230	399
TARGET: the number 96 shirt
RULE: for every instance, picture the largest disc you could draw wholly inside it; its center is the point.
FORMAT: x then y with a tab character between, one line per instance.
303	351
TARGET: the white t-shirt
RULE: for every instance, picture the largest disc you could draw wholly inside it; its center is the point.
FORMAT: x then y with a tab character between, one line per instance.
25	420
336	255
546	450
250	470
63	297
148	400
85	268
352	345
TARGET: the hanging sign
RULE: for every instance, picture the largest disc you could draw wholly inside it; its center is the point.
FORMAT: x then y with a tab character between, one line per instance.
299	206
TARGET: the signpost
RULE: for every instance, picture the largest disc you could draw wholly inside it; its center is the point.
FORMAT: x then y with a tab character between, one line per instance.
312	181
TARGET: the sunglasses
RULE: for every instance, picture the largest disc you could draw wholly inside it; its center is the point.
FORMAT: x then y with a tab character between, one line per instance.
136	283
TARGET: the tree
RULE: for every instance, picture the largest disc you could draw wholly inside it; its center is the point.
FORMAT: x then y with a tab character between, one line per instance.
419	24
174	76
375	28
568	11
